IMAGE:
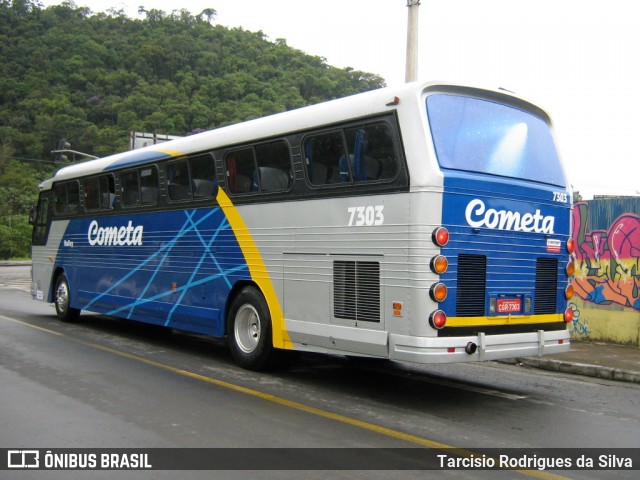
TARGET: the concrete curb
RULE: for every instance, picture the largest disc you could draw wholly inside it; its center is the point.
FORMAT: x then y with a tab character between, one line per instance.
597	371
14	263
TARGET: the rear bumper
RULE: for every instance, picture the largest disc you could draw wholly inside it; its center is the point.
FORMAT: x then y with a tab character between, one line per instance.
483	347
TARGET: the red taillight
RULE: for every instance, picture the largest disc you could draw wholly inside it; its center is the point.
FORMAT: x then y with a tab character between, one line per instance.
439	264
571	245
438	319
568	315
440	236
438	292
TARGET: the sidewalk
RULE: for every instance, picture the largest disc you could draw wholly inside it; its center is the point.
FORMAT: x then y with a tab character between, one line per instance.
600	360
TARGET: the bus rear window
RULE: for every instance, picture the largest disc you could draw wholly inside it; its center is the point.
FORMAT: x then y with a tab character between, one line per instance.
482	136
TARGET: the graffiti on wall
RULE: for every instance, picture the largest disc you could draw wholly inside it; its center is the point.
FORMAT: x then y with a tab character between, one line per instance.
607	261
579	325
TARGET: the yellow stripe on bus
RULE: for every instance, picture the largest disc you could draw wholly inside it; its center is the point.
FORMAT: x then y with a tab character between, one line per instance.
257	268
503	320
172	153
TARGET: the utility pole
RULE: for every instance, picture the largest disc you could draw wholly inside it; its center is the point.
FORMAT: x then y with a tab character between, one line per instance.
411	72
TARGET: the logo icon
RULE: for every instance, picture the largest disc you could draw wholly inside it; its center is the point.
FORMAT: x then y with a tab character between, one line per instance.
23	459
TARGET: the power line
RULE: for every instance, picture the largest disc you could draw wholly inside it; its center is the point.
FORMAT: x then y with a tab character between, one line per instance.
28	159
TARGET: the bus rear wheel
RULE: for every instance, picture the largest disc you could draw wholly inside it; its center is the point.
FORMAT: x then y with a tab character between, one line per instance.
249	330
62	300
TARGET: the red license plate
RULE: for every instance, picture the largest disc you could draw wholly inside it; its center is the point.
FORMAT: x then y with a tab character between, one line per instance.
509	305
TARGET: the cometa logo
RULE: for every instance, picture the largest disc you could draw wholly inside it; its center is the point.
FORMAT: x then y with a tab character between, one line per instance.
119	236
478	216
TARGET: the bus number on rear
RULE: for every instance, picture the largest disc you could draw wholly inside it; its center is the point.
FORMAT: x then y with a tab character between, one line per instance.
560	197
366	216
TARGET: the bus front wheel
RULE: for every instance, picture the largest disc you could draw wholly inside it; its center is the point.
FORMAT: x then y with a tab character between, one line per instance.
249	330
62	300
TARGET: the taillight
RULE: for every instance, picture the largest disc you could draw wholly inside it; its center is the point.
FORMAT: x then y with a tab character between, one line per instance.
438	319
568	315
571	245
568	292
571	269
439	264
438	292
440	236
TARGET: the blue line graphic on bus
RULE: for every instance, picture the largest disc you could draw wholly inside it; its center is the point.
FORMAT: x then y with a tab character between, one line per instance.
179	275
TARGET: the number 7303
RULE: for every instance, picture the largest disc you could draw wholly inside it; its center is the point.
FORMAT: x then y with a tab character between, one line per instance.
366	216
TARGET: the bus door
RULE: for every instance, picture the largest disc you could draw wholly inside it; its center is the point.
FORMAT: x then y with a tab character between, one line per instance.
42	268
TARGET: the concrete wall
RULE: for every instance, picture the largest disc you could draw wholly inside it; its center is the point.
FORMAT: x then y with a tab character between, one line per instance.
607	281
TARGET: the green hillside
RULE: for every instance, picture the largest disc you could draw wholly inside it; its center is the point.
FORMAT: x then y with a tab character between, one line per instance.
91	78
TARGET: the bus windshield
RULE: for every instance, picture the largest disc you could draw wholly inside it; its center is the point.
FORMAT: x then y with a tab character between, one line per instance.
481	136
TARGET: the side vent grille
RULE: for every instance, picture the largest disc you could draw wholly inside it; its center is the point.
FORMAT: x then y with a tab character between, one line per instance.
546	285
356	291
470	297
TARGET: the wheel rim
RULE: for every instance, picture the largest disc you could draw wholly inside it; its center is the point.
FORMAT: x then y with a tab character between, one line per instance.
62	297
247	328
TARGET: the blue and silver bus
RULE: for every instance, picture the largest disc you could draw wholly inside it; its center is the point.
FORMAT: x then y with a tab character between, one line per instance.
424	223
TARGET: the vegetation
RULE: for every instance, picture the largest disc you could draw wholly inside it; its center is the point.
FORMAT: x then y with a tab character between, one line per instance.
66	72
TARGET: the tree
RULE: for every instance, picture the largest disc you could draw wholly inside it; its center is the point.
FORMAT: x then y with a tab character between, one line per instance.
18	192
209	14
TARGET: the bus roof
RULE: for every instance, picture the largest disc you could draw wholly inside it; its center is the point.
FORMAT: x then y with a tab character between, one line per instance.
326	113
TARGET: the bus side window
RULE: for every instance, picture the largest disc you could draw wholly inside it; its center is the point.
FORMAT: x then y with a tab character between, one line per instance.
203	176
107	191
241	171
60	191
371	152
67	197
178	183
274	166
99	192
149	185
130	188
73	196
325	158
91	193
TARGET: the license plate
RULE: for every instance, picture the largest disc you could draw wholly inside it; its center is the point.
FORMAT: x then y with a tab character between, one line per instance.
509	305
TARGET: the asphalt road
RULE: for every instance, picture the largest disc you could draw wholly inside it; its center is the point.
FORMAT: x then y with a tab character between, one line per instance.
108	383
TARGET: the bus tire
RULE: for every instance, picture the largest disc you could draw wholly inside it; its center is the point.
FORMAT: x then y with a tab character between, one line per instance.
62	300
249	330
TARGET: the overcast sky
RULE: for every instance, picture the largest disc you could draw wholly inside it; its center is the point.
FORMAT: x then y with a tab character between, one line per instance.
578	59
